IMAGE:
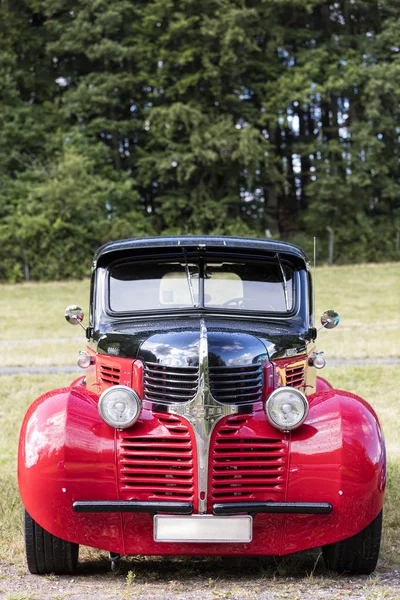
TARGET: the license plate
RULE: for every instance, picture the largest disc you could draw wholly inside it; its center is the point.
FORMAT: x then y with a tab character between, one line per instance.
203	529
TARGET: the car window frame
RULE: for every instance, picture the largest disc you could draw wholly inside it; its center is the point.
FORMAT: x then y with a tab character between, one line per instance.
203	258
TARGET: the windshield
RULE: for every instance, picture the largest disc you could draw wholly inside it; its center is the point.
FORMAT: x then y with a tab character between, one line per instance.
216	285
247	286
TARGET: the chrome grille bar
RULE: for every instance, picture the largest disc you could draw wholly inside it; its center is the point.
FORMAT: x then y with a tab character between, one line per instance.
163	384
236	385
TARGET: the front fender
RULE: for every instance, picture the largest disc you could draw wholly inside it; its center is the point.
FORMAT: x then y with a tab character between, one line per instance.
337	456
67	453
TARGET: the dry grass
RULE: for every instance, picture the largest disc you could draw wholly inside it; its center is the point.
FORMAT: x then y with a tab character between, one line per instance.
367	298
362	293
35	323
37	353
36	310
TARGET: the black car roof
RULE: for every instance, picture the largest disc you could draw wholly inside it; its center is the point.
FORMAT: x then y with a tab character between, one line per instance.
113	250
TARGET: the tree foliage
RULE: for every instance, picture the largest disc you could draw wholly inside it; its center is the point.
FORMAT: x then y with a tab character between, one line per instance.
196	116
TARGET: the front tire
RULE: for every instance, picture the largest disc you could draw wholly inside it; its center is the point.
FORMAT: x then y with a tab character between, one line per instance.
46	553
358	554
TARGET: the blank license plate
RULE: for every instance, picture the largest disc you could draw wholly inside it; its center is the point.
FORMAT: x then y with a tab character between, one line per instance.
203	529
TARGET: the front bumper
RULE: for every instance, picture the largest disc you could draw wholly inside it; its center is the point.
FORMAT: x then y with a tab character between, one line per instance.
186	508
132	506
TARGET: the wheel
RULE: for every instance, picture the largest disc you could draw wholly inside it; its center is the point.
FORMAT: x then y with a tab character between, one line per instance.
358	554
46	553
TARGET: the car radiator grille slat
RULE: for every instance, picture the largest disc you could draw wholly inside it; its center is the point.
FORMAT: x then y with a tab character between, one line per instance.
246	468
169	384
157	467
110	375
237	385
295	375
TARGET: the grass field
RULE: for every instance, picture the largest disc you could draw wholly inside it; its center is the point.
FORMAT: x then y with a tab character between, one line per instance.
367	298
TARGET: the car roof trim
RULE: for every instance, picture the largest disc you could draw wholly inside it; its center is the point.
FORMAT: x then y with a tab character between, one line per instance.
111	250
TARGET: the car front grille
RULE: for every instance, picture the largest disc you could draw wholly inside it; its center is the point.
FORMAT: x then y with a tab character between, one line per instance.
159	467
167	385
237	385
228	385
246	463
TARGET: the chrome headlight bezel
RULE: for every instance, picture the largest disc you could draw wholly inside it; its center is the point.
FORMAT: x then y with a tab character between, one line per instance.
130	395
272	400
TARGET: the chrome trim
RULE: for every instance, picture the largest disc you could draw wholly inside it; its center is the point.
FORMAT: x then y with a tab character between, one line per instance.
157	381
203	412
135	506
161	407
285	508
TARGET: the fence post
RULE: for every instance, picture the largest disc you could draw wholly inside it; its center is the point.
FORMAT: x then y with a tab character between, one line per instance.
331	244
26	265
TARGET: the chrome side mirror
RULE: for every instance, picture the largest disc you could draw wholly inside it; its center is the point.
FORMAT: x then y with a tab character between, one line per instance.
330	319
74	315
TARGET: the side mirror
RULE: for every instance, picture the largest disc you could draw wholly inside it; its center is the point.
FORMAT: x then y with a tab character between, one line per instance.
74	315
330	319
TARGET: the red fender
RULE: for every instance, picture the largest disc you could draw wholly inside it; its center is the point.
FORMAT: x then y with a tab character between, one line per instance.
337	456
66	453
323	385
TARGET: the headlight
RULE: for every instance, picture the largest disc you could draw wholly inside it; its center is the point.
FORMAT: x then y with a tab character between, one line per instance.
120	406
85	360
286	408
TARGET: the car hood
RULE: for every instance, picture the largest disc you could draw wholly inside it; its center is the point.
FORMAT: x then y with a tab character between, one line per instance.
176	343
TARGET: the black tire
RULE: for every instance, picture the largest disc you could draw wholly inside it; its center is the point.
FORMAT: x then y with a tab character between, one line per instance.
358	554
46	553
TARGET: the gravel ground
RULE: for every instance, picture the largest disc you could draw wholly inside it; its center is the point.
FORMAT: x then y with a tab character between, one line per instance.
298	577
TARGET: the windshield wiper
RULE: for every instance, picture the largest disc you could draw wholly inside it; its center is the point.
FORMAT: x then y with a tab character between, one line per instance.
188	276
284	282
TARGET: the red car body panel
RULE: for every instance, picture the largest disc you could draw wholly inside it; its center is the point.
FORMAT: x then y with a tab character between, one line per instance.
68	453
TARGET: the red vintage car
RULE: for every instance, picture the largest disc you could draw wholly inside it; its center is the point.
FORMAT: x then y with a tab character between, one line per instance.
200	426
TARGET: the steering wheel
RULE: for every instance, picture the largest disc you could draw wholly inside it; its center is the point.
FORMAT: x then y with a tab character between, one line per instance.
240	303
235	301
